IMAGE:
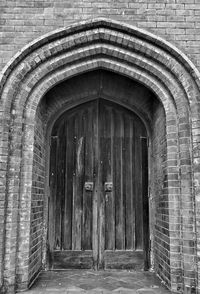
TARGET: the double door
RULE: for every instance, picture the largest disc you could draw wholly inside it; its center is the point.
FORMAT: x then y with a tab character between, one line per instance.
98	205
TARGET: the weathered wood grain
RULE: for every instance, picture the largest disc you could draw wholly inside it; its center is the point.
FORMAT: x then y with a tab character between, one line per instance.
120	259
73	259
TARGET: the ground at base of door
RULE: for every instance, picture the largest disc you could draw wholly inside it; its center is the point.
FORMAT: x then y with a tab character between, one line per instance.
97	282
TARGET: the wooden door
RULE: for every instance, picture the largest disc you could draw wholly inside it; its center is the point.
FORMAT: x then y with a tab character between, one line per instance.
98	208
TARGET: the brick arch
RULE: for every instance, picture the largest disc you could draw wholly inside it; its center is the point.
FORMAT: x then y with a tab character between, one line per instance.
83	47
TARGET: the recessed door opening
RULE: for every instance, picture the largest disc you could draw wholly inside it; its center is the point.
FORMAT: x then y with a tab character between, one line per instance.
98	208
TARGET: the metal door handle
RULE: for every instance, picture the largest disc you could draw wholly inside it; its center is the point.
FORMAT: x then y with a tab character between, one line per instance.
89	186
108	186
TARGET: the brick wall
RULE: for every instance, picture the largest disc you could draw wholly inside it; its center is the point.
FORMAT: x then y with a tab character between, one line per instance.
177	21
37	201
159	200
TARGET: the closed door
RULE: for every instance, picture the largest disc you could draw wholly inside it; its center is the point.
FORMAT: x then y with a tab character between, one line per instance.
98	206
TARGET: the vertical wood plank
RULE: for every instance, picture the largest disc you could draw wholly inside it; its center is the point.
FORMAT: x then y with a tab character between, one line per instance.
60	187
119	218
124	179
78	184
88	166
108	177
62	156
70	169
95	234
134	179
128	179
138	184
57	204
103	163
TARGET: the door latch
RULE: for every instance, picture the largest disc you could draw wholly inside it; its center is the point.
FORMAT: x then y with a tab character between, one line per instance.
108	186
89	186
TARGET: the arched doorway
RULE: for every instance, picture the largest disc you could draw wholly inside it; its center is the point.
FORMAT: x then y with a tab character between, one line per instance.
98	208
129	52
